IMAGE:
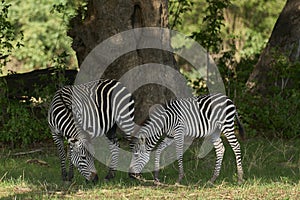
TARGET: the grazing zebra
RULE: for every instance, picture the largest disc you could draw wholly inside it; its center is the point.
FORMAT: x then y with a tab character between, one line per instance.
83	112
196	117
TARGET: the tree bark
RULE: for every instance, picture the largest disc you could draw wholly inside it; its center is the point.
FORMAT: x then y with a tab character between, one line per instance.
284	42
107	18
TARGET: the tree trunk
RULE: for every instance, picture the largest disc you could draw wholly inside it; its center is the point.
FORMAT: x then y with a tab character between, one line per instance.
282	50
107	18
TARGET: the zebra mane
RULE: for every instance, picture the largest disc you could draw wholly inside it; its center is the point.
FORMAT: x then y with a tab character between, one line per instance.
153	126
152	111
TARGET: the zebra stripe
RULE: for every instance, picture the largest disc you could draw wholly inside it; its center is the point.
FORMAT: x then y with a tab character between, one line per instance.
195	117
83	112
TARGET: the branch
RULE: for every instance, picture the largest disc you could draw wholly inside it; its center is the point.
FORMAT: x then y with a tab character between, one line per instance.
157	183
26	152
37	161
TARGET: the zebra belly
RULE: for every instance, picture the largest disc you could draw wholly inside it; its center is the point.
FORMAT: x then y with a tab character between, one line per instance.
97	131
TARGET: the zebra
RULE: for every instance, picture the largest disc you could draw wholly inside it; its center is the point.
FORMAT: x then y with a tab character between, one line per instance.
196	117
80	113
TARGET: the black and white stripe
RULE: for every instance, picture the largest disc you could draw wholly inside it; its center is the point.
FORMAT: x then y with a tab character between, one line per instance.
83	112
196	117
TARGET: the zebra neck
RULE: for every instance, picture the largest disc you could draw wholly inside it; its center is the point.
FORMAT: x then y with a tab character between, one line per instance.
154	130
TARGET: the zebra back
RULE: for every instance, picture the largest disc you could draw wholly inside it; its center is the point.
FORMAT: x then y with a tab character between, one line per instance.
200	117
98	105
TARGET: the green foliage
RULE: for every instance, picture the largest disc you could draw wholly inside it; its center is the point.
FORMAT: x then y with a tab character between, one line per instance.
8	35
59	64
254	43
176	9
24	121
23	126
236	32
209	35
284	74
68	9
270	116
273	114
196	82
227	65
257	19
259	16
251	22
44	25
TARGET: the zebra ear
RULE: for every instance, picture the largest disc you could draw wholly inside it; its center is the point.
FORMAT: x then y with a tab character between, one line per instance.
142	142
74	143
142	139
72	140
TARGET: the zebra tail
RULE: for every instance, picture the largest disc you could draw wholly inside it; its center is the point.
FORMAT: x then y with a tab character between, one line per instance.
240	126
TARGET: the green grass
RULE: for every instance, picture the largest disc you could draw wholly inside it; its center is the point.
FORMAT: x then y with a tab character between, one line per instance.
271	169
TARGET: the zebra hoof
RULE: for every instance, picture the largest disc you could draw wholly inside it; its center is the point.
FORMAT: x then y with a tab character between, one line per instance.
210	183
157	182
67	183
240	181
135	176
70	178
95	180
109	176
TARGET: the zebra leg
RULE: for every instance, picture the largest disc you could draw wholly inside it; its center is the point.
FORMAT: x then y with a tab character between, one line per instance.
58	140
235	145
165	143
219	148
179	139
114	149
71	166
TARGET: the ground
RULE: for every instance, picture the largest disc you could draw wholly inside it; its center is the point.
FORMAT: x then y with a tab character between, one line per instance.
271	168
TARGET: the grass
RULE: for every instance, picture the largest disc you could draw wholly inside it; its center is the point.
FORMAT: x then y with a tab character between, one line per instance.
271	169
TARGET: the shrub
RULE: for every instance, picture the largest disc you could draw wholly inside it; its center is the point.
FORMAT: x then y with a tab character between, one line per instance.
23	119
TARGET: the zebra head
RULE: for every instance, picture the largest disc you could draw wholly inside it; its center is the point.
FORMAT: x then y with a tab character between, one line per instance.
140	156
145	138
82	159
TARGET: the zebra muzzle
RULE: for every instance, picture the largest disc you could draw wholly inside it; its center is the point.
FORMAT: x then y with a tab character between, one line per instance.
94	177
